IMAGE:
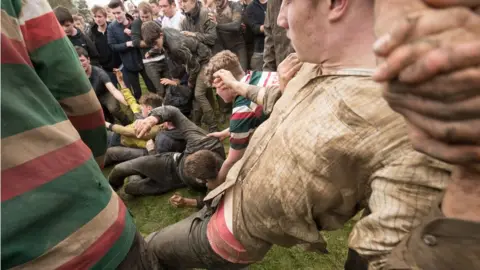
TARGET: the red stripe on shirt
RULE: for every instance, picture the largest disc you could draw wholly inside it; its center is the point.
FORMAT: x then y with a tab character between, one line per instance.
258	111
239	141
242	115
43	169
249	76
100	247
14	52
266	81
41	30
88	121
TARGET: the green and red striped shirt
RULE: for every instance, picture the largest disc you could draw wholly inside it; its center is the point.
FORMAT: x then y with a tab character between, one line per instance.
247	115
58	210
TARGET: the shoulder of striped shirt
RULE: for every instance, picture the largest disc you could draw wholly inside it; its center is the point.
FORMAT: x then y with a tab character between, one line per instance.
32	9
248	106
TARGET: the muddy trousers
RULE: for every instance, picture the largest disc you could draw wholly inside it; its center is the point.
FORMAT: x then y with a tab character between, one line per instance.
184	245
203	107
148	175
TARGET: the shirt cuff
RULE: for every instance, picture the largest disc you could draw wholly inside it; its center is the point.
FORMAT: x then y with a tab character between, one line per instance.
252	92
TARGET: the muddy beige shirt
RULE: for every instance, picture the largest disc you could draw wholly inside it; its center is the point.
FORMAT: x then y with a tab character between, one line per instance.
330	147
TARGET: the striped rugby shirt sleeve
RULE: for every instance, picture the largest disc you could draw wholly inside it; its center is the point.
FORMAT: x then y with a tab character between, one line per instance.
56	63
52	187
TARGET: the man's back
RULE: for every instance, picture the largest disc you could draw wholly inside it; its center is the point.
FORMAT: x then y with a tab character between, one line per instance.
58	210
330	146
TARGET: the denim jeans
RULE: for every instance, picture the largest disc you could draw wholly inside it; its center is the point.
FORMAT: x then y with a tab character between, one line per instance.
117	153
148	175
133	82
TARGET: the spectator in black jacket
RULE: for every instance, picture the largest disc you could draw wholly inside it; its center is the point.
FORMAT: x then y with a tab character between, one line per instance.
247	32
119	38
76	36
256	12
98	34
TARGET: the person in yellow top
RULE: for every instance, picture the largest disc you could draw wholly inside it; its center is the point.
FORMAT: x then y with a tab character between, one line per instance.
123	142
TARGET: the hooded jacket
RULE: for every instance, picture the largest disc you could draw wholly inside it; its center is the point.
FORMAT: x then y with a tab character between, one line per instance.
107	58
198	22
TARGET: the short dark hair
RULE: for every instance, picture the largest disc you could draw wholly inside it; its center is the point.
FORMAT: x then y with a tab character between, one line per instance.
151	31
116	3
81	51
203	164
153	2
96	8
63	15
151	99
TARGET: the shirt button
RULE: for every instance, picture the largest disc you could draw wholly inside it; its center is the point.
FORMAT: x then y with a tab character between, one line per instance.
430	240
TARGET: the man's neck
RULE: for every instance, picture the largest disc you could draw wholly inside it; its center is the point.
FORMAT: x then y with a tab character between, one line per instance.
126	22
173	15
263	1
102	28
89	71
353	50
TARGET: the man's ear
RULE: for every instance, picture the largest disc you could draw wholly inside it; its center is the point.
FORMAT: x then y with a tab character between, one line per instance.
338	8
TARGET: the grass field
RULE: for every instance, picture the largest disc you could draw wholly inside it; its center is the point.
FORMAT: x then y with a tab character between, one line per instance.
153	213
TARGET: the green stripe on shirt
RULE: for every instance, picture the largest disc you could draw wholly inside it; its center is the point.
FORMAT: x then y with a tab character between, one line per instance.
96	139
26	102
41	218
50	61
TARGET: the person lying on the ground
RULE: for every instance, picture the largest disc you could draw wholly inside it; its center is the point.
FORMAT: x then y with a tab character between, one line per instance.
123	142
437	90
246	116
108	95
196	167
127	133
